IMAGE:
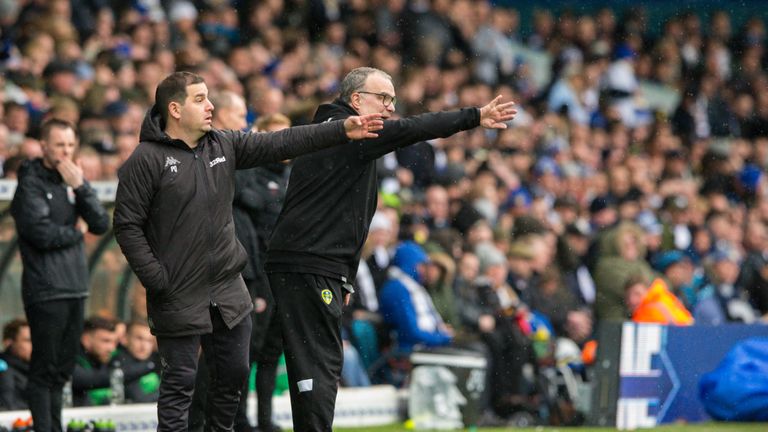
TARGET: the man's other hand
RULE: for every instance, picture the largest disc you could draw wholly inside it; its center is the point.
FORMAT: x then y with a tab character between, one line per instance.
495	114
360	127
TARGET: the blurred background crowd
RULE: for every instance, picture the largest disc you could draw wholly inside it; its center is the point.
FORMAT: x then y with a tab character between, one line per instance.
638	152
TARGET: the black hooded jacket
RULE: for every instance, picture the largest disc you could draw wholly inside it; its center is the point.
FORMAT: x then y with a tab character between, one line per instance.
259	196
14	373
46	211
332	193
173	218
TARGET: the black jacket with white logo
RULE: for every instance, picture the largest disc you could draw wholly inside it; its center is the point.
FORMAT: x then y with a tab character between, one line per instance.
332	193
173	218
46	211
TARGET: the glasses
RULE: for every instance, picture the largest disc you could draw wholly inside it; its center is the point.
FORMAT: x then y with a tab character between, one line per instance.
386	100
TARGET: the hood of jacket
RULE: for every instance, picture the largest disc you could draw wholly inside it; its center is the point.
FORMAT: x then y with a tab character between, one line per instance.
407	258
152	129
36	168
337	108
610	244
12	361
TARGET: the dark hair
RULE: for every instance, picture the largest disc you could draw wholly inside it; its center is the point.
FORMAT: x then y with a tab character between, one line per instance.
99	323
12	165
45	130
11	328
174	89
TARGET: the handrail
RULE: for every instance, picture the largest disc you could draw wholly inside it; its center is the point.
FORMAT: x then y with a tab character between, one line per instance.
123	310
7	257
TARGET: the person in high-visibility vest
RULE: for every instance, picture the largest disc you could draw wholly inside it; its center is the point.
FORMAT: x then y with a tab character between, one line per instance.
655	303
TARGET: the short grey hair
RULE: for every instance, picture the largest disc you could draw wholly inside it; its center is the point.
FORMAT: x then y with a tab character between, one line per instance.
355	81
223	99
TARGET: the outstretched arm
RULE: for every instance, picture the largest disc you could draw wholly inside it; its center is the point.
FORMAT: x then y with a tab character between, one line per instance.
402	133
254	149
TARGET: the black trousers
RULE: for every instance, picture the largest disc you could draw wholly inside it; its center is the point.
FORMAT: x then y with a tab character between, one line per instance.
309	314
509	350
266	350
226	355
55	328
266	347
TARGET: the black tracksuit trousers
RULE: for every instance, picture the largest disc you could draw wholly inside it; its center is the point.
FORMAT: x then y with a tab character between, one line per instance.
226	354
265	349
309	312
55	327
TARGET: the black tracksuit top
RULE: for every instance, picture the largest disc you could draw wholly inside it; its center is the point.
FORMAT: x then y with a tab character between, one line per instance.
332	193
173	218
52	250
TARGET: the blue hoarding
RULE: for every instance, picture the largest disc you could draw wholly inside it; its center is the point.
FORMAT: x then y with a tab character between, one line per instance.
660	368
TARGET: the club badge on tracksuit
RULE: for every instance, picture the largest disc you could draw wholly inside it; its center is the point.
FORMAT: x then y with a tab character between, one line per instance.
327	296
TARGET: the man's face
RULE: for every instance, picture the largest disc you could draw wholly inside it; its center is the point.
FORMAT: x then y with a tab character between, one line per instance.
727	271
497	273
140	342
633	296
60	144
100	344
437	203
233	116
372	97
21	347
680	273
469	267
196	113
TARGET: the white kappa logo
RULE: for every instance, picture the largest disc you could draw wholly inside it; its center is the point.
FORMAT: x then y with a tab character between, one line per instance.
172	162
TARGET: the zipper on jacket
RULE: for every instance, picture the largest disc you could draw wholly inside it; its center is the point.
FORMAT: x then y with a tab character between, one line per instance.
204	179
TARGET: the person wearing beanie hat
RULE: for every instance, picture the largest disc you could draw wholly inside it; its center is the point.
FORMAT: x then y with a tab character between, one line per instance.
723	300
465	218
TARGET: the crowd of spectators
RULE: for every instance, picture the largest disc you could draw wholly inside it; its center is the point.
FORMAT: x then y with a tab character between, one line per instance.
547	224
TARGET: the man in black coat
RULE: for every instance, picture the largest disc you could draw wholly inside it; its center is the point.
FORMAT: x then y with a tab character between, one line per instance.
315	249
173	222
258	197
261	198
51	202
14	365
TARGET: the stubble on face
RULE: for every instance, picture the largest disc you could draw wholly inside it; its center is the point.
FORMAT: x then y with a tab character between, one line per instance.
60	144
